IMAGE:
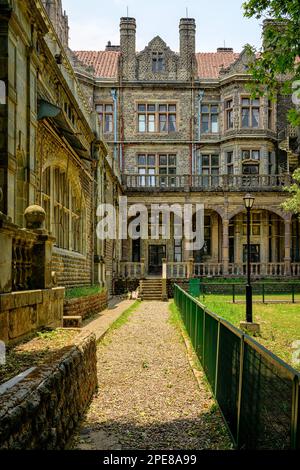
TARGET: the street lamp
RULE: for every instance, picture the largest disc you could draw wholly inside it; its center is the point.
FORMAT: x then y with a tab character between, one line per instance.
249	201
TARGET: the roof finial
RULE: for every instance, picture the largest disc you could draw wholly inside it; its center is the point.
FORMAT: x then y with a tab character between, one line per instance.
187	12
127	12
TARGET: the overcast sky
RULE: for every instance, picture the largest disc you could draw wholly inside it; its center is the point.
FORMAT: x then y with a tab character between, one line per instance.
94	22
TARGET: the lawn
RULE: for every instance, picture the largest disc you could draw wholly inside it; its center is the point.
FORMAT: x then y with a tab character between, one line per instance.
280	323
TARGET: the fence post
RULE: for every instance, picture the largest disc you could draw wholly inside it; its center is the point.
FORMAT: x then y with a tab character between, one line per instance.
233	293
203	340
263	293
295	412
242	353
195	331
293	293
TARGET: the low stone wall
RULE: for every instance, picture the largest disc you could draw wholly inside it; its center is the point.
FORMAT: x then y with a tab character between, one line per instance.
86	306
21	313
42	411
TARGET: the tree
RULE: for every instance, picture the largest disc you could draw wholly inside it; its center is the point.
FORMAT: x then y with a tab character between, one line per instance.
293	203
276	67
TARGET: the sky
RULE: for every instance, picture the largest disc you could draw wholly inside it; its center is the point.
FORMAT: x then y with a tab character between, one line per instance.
95	22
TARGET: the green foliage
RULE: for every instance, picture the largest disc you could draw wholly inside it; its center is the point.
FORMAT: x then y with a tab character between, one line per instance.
293	203
280	55
77	292
123	319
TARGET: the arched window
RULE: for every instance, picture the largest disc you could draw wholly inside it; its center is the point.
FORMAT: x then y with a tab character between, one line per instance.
64	208
2	92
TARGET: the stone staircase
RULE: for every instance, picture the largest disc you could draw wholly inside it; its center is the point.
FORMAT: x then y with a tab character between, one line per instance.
151	289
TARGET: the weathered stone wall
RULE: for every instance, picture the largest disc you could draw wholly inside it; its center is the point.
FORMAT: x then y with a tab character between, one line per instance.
42	411
86	306
21	313
72	269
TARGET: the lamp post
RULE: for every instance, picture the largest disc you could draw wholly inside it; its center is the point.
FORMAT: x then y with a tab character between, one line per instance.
249	201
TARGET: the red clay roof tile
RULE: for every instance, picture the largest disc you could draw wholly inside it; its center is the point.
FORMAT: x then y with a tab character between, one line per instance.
105	63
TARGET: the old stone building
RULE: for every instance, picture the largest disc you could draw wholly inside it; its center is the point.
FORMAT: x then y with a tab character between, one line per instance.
185	129
53	160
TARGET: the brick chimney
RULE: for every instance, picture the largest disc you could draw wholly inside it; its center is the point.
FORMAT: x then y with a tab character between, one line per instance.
187	34
128	48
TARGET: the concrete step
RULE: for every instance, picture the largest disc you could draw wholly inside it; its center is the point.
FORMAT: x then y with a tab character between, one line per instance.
72	321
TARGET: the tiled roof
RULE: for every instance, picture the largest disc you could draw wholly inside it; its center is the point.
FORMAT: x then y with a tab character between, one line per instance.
105	63
210	63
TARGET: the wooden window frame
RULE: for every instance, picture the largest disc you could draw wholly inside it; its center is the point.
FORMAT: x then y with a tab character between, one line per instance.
250	107
103	114
229	111
210	114
170	114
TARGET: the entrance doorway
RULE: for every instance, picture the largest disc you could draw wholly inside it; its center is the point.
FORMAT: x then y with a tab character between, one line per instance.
156	254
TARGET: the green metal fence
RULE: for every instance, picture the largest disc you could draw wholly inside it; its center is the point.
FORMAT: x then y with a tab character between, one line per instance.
257	392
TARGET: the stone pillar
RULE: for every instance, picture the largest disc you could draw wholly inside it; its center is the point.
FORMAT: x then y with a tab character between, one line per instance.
164	281
264	259
190	268
6	235
143	268
225	247
287	247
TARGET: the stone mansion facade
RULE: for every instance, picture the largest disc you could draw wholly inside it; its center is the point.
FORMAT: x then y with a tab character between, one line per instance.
183	128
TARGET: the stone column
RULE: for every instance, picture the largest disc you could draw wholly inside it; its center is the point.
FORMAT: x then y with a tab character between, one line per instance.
225	247
190	268
287	247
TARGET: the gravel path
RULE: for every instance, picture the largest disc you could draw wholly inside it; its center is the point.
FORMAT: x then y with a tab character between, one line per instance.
148	396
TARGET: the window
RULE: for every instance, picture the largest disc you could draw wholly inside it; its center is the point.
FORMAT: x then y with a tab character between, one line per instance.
250	113
229	114
209	119
157	118
2	92
254	253
230	163
250	169
177	251
147	170
105	112
167	168
255	224
158	62
270	115
66	221
271	163
251	155
209	166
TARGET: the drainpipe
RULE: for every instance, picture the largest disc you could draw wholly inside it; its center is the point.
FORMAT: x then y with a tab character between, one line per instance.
114	95
200	99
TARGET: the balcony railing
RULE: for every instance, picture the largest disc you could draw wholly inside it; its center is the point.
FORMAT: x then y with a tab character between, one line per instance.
206	182
188	269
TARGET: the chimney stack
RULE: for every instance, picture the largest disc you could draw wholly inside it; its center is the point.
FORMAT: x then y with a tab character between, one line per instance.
128	48
187	33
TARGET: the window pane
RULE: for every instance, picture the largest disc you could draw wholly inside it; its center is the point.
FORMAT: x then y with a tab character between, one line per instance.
172	108
205	109
205	160
214	123
142	160
99	108
255	117
229	104
163	171
151	122
245	117
255	154
172	171
256	102
163	160
215	160
142	107
142	123
151	107
163	108
172	122
108	123
151	160
229	157
245	154
246	102
172	160
163	123
108	108
215	109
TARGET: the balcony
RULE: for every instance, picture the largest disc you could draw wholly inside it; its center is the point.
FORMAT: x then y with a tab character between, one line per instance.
158	183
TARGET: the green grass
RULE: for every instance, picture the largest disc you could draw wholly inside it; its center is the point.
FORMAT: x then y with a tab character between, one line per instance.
123	319
77	292
280	323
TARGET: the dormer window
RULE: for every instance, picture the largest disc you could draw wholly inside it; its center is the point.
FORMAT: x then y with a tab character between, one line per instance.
158	62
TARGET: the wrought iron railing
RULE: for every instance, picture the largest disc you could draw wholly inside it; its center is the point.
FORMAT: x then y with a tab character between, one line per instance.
257	392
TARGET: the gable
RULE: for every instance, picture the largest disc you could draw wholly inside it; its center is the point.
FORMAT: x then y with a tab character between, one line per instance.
157	48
